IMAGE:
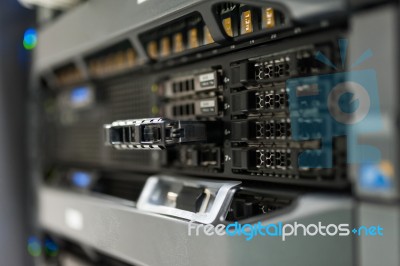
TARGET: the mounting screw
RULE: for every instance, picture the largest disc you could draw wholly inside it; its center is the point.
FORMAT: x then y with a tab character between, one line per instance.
226	80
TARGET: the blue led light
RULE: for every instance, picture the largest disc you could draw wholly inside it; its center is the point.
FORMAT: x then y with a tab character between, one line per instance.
80	95
81	179
30	39
51	248
34	246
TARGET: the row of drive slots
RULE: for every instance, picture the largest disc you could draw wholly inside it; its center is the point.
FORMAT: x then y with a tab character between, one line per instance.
240	19
244	102
201	93
251	101
255	101
275	160
259	89
176	38
103	64
248	130
204	156
123	56
277	68
255	159
247	103
192	32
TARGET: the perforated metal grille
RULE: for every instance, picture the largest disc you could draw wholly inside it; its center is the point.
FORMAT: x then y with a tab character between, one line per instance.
129	101
80	142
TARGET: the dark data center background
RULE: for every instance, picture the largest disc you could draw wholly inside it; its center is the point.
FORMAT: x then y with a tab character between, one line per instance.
14	192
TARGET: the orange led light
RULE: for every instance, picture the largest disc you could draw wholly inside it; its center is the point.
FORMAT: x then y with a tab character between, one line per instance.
246	22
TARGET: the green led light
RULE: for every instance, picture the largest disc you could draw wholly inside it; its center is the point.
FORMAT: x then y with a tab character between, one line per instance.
35	249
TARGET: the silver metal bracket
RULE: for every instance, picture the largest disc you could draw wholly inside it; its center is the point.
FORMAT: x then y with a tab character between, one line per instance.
154	133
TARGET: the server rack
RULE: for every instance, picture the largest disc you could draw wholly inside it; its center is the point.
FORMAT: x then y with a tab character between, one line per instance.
233	75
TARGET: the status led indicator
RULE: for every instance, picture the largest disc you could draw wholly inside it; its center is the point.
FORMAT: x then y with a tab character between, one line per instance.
34	247
80	95
81	179
30	39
